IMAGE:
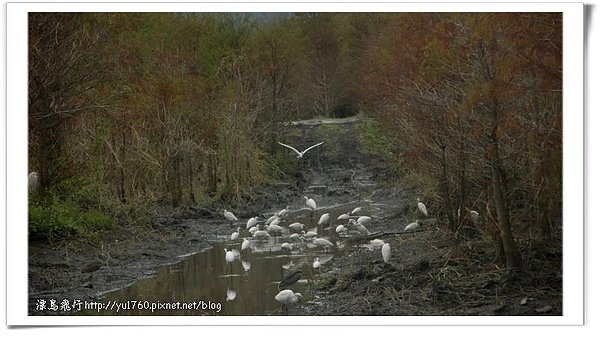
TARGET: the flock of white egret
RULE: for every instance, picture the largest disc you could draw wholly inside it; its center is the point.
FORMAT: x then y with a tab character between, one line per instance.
299	234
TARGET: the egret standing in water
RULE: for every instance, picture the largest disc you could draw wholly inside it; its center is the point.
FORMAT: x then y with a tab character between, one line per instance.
286	297
229	258
245	244
421	206
236	234
298	153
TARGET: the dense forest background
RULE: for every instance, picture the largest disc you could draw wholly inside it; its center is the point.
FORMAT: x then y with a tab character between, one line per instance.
133	112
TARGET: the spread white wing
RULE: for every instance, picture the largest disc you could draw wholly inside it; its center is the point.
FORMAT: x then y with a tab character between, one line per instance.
309	148
294	149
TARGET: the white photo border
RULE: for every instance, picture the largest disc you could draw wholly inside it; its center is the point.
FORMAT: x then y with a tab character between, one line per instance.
16	184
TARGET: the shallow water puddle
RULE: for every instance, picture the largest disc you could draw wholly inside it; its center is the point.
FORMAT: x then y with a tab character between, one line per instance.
205	284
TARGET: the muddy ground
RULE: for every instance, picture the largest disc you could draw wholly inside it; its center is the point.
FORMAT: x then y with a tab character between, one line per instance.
430	273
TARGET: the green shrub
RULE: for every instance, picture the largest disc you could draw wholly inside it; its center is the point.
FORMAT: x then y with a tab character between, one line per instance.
373	141
73	208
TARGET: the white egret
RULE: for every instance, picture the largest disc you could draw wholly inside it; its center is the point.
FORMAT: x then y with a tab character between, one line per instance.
33	181
231	294
274	228
261	234
360	227
286	246
284	212
295	236
322	242
377	243
386	252
236	234
412	226
356	210
229	216
311	203
245	244
253	230
474	216
324	219
341	228
364	220
229	257
246	265
343	217
309	234
421	206
298	153
251	222
287	297
271	219
316	263
296	226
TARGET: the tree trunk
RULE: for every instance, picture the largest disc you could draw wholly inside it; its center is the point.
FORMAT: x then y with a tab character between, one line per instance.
513	257
445	190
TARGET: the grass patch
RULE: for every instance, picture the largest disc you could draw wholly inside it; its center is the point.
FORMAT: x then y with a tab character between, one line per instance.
373	141
72	209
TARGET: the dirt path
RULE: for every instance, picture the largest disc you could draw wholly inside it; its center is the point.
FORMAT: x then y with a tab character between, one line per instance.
428	274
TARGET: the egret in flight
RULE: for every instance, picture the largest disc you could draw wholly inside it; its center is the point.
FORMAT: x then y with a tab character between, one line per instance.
300	154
